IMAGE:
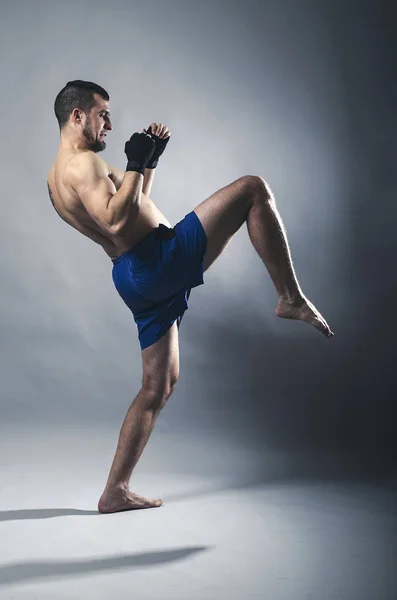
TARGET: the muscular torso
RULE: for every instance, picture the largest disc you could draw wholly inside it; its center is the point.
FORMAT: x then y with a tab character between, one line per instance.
70	208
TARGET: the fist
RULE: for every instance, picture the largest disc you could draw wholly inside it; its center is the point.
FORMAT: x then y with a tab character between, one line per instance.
139	150
160	134
159	130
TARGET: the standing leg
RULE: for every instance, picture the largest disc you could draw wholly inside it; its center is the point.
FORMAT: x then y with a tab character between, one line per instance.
250	200
160	374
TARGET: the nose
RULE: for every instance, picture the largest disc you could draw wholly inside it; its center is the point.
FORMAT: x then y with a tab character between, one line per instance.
109	126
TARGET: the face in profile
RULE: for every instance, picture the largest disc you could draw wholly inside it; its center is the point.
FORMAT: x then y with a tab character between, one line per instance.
97	125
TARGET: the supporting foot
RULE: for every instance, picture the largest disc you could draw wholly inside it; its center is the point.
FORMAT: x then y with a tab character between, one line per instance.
122	499
303	310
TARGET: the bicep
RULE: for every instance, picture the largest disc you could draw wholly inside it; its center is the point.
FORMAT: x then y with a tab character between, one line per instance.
116	176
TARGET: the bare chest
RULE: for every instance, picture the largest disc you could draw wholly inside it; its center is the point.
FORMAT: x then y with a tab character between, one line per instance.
71	210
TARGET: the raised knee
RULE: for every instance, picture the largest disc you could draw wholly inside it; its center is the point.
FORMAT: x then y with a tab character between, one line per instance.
256	185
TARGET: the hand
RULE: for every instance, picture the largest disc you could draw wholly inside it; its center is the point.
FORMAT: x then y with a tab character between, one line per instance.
139	150
161	134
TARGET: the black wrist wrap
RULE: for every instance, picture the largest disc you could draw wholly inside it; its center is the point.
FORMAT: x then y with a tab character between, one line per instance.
134	166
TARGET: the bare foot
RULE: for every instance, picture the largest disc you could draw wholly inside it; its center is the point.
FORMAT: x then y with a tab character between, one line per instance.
122	499
303	310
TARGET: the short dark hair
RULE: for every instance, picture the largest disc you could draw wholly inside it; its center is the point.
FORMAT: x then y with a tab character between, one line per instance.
76	94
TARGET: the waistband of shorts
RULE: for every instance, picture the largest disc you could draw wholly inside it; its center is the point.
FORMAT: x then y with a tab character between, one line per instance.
162	231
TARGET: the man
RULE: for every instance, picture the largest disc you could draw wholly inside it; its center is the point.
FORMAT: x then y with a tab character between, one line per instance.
155	266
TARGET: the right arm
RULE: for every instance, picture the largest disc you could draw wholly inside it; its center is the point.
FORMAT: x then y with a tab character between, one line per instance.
114	211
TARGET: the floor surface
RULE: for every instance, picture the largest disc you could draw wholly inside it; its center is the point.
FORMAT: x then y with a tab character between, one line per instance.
214	537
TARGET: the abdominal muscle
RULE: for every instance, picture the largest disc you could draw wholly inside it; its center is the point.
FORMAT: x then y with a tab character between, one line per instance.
71	210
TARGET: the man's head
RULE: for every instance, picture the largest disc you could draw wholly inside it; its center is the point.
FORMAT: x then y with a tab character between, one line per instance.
82	110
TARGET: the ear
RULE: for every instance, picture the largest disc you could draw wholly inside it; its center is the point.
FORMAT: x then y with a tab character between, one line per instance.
77	115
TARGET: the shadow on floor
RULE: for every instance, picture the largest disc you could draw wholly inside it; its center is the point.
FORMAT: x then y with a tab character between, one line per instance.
28	571
42	513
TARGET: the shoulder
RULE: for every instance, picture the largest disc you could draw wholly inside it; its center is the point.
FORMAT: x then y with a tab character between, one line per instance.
85	159
86	164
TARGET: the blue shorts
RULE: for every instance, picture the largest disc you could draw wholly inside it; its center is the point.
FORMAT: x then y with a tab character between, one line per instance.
155	277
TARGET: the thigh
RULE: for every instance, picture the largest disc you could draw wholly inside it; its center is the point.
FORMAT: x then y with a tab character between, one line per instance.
160	362
223	213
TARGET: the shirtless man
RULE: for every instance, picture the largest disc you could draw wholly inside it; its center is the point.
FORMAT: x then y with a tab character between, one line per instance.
154	265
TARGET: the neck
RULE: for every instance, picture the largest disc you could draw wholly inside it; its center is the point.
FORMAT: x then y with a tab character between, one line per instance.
69	143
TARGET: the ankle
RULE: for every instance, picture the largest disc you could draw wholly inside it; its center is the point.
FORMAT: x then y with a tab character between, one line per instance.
115	488
295	299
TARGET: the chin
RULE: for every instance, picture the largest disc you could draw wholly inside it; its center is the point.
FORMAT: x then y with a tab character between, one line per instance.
98	147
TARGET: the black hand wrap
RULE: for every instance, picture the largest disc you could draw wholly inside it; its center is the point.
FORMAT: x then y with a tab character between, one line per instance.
139	150
159	149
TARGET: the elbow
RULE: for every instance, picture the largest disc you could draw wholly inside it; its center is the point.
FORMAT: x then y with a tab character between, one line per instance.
111	228
124	216
124	226
113	231
117	229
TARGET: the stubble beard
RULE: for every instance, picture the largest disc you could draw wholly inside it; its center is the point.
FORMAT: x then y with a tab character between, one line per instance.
92	143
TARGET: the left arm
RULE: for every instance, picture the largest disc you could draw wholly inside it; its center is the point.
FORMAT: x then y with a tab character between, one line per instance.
117	177
161	134
147	181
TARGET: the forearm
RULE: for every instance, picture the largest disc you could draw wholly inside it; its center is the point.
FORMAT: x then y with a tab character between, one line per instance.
124	205
147	181
117	177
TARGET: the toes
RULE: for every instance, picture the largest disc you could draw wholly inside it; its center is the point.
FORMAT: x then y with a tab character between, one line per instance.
322	325
152	503
329	333
319	324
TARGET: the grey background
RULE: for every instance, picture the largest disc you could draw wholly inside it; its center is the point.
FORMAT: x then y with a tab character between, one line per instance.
302	93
